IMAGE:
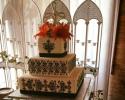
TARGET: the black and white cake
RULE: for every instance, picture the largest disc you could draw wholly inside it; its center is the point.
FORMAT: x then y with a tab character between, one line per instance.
54	71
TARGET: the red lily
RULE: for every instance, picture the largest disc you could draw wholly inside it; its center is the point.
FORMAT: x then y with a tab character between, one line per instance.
58	30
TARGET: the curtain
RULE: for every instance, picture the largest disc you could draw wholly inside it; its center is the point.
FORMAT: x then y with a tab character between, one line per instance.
2	5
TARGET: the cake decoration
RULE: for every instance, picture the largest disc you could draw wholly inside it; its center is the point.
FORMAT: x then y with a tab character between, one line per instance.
53	84
55	29
48	46
52	66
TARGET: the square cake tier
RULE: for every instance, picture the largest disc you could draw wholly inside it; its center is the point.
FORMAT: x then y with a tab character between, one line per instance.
52	84
50	47
52	66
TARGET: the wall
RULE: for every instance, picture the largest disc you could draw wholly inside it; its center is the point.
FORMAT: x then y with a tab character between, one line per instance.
119	56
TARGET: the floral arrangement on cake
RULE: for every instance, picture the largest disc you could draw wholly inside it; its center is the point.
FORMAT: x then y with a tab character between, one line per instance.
55	30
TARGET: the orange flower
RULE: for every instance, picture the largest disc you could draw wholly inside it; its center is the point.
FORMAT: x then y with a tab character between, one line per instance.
61	31
43	29
55	30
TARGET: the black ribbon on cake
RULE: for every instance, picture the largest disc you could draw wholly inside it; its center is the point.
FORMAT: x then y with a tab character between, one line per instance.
52	54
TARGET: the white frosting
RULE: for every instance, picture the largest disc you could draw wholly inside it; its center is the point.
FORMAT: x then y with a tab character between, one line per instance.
75	79
59	45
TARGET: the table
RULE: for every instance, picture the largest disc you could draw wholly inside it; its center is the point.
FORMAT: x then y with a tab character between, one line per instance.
80	96
5	91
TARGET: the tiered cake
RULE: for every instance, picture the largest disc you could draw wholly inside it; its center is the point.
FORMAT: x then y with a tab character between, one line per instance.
52	72
55	70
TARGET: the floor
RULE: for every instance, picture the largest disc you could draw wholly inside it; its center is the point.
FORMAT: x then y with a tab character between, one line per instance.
117	84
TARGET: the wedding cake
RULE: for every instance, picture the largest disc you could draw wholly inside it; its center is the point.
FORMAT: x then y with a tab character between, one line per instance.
54	71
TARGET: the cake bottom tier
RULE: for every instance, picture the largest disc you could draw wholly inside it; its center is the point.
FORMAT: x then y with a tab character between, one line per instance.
55	84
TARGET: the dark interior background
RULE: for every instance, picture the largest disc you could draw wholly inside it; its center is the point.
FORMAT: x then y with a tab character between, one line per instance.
119	54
